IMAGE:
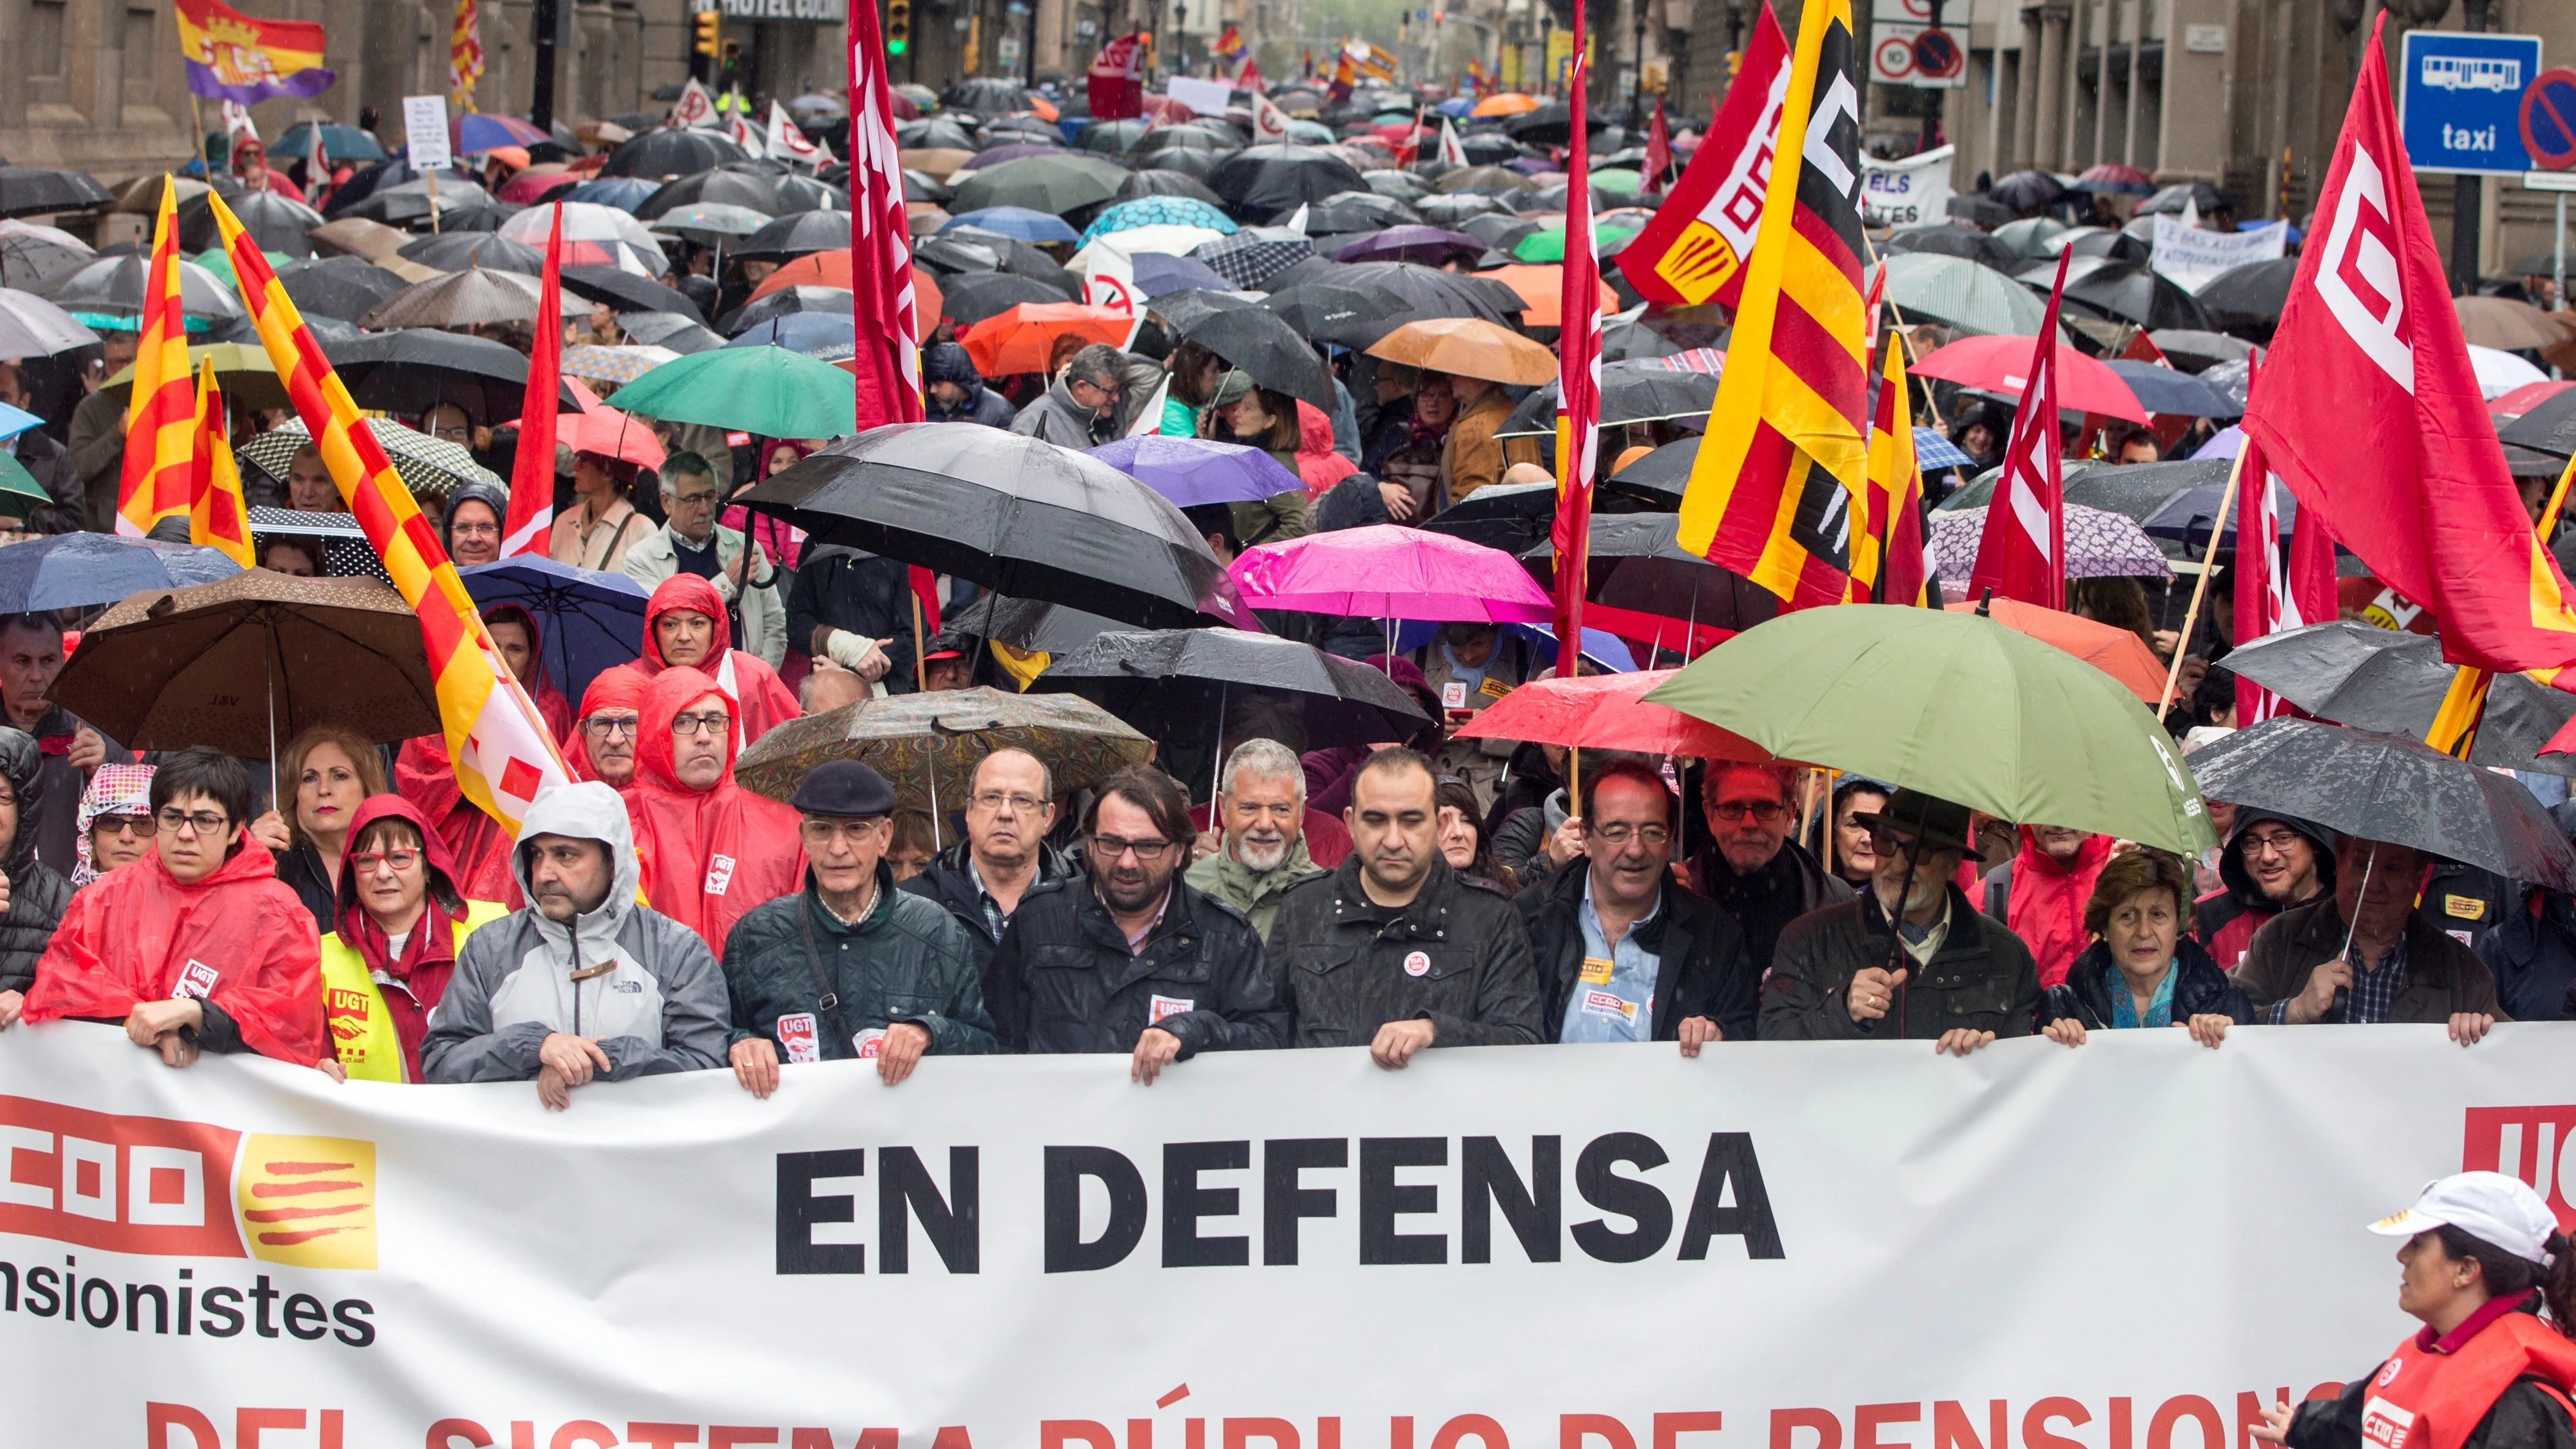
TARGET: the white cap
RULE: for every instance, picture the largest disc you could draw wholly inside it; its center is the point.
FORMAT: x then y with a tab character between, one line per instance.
2490	1206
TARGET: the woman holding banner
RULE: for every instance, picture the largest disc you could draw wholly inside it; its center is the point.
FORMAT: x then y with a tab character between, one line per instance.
2484	1262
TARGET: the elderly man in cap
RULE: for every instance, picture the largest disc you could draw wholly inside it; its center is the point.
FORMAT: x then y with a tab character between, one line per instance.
2361	953
1945	972
849	966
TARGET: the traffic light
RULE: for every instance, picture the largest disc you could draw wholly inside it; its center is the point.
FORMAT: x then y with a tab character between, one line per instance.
898	32
708	23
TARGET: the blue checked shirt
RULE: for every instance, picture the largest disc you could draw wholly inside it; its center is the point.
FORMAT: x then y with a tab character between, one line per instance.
2373	991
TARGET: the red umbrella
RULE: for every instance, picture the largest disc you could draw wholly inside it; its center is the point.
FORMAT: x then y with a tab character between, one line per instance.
599	428
1606	712
2002	365
2524	398
2114	176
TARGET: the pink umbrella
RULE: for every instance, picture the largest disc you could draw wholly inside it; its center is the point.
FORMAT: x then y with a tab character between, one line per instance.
599	428
2002	365
1389	572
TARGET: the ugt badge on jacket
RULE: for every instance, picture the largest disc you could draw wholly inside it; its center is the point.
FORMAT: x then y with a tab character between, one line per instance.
797	1038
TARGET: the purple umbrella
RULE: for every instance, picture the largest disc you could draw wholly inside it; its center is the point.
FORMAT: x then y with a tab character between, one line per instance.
1192	471
994	156
2100	544
1429	245
1387	571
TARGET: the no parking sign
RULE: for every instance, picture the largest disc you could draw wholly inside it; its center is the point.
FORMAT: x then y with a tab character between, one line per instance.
2548	119
1932	56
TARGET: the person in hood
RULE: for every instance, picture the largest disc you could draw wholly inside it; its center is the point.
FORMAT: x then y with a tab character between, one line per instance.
399	926
712	849
583	985
685	626
2268	863
198	946
476	513
515	633
2040	893
602	743
115	821
477	844
956	392
32	896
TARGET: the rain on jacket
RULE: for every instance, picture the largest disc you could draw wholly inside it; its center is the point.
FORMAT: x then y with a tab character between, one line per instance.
38	895
765	701
1982	978
709	856
905	961
1457	956
1063	979
376	1005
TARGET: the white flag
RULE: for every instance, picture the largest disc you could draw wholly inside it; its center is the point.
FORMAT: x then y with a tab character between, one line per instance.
743	135
1149	418
786	142
1269	123
1112	282
1450	151
695	107
238	123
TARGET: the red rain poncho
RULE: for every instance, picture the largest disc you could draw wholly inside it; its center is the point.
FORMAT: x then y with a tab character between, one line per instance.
708	856
238	938
762	698
618	688
479	843
552	707
2046	907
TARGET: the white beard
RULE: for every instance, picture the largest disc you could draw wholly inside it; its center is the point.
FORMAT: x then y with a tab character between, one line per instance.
1263	857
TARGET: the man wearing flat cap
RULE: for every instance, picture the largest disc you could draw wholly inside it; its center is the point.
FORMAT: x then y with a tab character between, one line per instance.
1944	972
849	966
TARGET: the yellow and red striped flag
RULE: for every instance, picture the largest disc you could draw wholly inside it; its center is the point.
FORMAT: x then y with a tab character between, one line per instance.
161	412
217	516
1786	455
502	752
1887	550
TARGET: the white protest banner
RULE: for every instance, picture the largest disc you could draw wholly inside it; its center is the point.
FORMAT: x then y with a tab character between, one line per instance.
2191	256
1111	281
1203	97
1911	192
2128	1245
425	133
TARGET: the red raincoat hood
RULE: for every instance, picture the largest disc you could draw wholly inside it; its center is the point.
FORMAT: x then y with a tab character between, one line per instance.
674	690
610	689
443	885
709	855
2046	907
683	591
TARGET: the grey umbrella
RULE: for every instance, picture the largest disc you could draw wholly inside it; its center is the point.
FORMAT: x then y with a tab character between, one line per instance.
475	297
2380	679
114	285
1179	682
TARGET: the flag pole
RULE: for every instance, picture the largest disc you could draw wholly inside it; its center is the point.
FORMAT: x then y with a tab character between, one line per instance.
2200	588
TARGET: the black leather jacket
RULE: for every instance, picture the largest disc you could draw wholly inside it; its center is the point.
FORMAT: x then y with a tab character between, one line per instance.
1457	957
1064	980
37	894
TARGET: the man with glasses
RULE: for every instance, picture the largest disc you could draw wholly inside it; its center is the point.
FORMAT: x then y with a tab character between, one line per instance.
1623	952
2269	863
849	967
712	850
1750	866
1912	959
1078	409
198	946
693	542
981	880
1132	958
476	513
602	746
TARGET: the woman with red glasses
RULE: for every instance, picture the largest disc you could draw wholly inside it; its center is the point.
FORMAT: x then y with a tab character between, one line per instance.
401	922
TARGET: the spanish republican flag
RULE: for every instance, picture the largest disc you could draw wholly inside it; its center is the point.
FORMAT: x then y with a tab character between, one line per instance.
233	57
1887	553
1786	455
502	752
217	516
161	412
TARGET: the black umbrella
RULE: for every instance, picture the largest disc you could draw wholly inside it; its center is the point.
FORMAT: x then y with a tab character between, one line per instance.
1166	183
1262	181
1431	292
2122	291
798	192
1507	516
719	186
670	151
922	186
786	301
1197	165
1260	343
456	251
1178	683
1550	125
680	333
277	223
2388	787
933	133
790	237
1488	181
1030	624
36	191
1113	138
1958	241
1257	256
1188	137
2101	241
1637	562
2172	199
1358	211
344	287
2197	351
1018	258
2550	427
1631	392
1351	316
1402	185
2026	190
1501	233
2138	489
414	371
31	261
970	297
1060	182
2380	679
1192	306
1627	339
1030	519
392	171
624	291
1491	148
1979	210
986	96
2252	294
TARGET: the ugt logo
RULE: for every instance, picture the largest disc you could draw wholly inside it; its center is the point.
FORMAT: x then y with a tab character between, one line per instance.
2536	1144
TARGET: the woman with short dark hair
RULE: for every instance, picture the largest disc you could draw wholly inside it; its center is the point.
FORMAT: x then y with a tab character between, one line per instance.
2142	969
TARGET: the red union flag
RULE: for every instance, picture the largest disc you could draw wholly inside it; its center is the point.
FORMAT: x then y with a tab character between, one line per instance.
2536	1144
1696	246
2372	414
1118	79
2022	554
2272	596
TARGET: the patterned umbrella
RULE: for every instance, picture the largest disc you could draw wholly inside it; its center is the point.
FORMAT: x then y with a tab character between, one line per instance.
2100	544
1933	450
1159	211
1254	255
928	745
425	464
613	364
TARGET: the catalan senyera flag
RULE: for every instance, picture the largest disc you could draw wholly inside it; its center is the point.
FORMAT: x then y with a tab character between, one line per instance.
236	58
161	412
464	54
1786	454
218	518
502	751
1887	550
1578	401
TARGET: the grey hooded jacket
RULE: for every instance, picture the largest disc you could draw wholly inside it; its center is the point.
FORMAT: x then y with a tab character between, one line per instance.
661	1007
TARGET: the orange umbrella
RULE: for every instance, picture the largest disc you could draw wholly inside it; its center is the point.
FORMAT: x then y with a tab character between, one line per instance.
1469	347
832	269
1509	103
1045	109
1606	712
2107	647
1020	338
1542	285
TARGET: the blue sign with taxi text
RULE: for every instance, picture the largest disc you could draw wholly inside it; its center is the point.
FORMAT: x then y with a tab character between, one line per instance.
2460	100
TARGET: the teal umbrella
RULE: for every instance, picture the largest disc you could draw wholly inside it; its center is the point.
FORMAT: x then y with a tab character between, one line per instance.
1962	295
766	390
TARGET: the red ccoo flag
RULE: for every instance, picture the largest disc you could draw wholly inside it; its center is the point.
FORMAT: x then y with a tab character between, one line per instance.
2271	596
2374	417
883	309
2022	554
532	467
1701	237
1578	401
1659	152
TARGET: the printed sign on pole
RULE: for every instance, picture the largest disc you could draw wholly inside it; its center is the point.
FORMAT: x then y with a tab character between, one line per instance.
1928	56
1911	192
2461	101
425	132
2548	117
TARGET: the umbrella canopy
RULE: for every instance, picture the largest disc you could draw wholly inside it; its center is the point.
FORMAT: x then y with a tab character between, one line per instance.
1387	571
2115	651
2123	291
77	570
623	192
1956	705
2026	190
784	302
2509	324
247	661
243	369
2170	390
811	333
426	465
1254	255
1606	712
1963	295
709	222
2099	544
1019	338
1157	273
740	186
1362	210
794	236
1631	392
412	372
36	257
2002	365
37	191
113	287
1964	242
1018	223
2113	177
766	390
1637	565
30	326
1192	471
973	296
1115	138
1160	210
1430	245
457	251
1542	287
593	235
277	223
1507	103
623	291
1011	513
619	365
1469	347
344	287
939	133
2252	294
2385	787
2501	372
1258	342
339	143
670	151
2196	351
591	620
1350	316
928	745
1142	184
1057	183
20	494
358	237
1268	180
1179	683
2379	679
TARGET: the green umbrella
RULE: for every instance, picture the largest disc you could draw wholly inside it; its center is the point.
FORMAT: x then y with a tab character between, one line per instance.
766	390
20	493
1959	293
1956	705
2031	235
1618	179
1548	243
220	262
1056	183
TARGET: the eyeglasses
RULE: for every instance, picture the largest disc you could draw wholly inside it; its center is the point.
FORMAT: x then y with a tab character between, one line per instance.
201	822
1765	811
1621	832
694	499
1883	843
690	724
2253	846
141	827
606	725
994	801
1107	848
400	860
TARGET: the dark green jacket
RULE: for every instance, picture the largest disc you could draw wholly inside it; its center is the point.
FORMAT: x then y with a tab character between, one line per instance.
906	961
1982	978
